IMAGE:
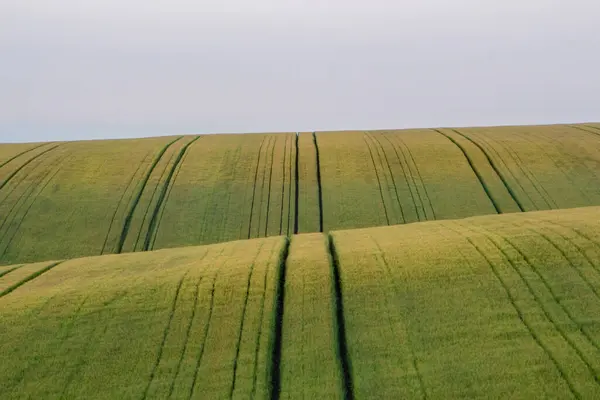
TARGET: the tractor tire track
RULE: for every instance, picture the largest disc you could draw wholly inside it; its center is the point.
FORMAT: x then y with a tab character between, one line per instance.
262	188
413	356
22	199
150	202
285	144
162	212
556	325
165	334
254	186
340	323
387	219
297	183
519	312
387	161
319	184
585	130
410	153
497	170
161	198
31	204
136	200
269	190
208	322
23	153
406	178
15	172
9	270
475	170
31	277
528	174
129	183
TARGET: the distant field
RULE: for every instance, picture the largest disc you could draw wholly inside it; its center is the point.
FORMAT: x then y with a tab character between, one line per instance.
74	199
484	307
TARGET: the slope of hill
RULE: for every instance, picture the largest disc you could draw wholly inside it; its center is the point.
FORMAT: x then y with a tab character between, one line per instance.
65	200
484	307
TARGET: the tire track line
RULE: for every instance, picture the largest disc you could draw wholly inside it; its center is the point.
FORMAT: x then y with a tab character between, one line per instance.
387	219
161	198
519	312
9	270
285	144
319	184
340	323
297	183
269	189
254	186
262	188
410	153
15	172
387	161
136	200
23	153
497	170
540	303
112	221
31	277
585	130
414	201
485	187
413	355
32	203
165	334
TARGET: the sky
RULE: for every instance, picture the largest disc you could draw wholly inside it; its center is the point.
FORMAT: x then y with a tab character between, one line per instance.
79	69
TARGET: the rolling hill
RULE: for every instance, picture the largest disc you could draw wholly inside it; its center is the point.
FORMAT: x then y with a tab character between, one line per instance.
76	199
484	307
426	264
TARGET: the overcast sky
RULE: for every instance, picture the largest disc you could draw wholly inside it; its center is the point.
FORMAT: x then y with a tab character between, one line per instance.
77	69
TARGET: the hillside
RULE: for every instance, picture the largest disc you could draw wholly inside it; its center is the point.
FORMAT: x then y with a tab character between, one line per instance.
75	199
485	307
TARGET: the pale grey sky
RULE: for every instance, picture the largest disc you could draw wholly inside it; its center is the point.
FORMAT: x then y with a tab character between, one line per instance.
77	69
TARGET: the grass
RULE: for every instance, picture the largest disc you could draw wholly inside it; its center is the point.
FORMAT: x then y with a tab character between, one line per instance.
114	196
483	307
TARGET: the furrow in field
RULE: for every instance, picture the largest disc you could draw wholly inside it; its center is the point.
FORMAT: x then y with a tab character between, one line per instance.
136	200
161	198
397	206
306	363
387	218
496	168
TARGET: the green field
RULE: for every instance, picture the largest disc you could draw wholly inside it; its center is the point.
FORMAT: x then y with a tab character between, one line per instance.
422	264
75	199
484	307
